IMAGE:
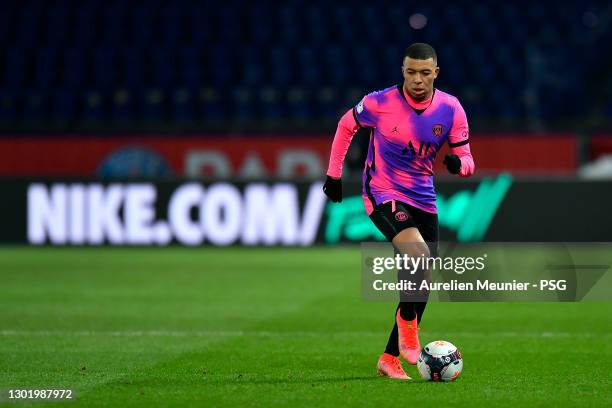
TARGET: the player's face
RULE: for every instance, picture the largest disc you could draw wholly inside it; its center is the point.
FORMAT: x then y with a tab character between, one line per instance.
419	77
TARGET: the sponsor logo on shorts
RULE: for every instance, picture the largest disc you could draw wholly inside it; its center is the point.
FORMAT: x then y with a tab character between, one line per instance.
401	216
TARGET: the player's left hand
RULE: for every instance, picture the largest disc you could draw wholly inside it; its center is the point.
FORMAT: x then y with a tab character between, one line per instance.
452	163
333	189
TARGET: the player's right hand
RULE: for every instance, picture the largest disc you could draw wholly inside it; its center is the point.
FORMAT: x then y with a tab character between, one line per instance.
333	189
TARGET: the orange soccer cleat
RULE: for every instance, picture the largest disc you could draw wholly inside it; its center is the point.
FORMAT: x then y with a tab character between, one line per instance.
390	366
408	333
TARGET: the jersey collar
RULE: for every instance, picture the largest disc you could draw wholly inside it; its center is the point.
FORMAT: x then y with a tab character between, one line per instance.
400	89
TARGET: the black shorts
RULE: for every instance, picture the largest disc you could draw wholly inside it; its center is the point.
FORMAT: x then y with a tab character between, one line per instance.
391	222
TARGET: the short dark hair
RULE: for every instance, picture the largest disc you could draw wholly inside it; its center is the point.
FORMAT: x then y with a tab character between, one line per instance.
421	51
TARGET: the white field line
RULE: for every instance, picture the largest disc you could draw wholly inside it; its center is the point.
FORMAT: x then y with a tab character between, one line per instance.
238	333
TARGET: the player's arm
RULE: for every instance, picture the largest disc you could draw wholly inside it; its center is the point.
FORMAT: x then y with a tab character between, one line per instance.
359	116
460	160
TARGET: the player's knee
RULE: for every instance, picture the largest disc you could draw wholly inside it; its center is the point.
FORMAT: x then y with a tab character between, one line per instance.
421	249
410	242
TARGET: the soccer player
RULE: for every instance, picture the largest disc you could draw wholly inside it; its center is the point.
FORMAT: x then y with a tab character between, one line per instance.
408	123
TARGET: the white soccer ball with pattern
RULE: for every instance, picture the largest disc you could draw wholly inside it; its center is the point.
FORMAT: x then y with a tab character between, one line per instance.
440	361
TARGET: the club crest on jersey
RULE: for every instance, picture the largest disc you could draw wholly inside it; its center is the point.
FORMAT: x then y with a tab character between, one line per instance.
401	216
437	130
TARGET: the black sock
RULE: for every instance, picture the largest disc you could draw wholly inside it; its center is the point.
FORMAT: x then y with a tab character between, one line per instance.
419	307
407	310
392	345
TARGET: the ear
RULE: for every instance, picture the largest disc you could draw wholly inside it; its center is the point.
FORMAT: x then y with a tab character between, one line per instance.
436	72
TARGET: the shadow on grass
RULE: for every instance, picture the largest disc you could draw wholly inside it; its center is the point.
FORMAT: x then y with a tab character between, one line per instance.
298	380
250	379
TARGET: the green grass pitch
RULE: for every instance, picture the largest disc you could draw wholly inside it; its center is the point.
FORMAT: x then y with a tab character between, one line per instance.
271	327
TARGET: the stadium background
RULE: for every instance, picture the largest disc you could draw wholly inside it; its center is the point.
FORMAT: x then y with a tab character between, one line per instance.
208	124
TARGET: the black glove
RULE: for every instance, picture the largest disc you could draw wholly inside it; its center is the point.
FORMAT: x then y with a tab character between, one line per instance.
333	189
453	163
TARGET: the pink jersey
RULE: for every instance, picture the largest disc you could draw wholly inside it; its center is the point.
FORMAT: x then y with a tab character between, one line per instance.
405	138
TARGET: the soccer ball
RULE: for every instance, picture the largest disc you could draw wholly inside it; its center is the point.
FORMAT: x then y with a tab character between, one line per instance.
440	361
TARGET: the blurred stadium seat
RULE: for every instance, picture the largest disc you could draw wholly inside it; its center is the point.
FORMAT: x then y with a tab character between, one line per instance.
291	62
